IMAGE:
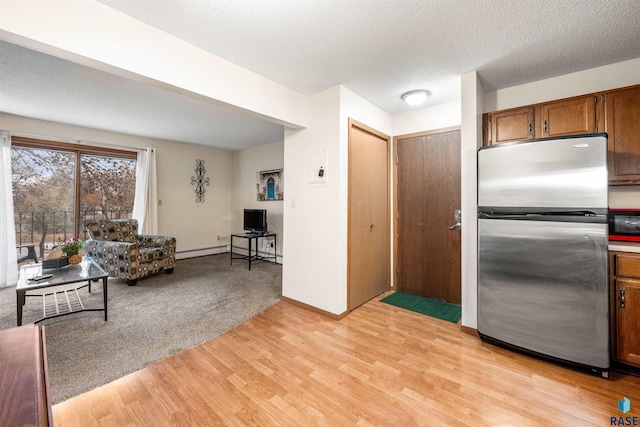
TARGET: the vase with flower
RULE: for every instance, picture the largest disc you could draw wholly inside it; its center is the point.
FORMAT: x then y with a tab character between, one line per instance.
73	249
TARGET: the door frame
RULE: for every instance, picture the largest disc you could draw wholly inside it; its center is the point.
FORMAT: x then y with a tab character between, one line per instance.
395	187
364	128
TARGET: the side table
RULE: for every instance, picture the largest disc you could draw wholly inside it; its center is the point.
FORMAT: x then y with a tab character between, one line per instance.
254	238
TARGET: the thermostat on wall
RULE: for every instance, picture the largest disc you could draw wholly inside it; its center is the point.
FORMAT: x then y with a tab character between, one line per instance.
318	168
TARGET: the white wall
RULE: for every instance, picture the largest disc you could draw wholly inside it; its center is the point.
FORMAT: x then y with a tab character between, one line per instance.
315	215
315	271
312	272
472	102
245	165
428	118
194	225
598	79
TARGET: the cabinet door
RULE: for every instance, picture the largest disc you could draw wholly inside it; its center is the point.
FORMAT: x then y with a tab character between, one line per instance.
628	313
622	124
627	265
511	125
571	117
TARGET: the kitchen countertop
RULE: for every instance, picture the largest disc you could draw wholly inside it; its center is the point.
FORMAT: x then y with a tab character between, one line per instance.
624	246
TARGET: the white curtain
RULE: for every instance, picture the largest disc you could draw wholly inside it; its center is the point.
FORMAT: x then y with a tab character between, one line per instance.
145	204
8	254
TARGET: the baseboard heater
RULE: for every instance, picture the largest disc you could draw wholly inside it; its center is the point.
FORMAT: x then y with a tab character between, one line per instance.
192	253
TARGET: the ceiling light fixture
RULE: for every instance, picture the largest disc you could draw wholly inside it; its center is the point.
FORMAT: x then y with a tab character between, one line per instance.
415	97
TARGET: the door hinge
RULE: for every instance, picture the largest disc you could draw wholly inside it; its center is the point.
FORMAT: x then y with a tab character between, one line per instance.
595	99
397	215
544	130
397	160
530	128
622	298
603	98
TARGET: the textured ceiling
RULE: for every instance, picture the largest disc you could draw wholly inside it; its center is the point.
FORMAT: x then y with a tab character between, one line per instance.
382	48
377	48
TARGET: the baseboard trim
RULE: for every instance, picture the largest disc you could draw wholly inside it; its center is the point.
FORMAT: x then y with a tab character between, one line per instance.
314	309
469	330
194	253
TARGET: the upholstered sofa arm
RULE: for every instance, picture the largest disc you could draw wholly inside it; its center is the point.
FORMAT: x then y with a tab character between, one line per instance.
151	241
95	247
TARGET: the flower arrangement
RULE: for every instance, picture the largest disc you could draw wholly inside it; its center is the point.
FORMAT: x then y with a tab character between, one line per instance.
71	246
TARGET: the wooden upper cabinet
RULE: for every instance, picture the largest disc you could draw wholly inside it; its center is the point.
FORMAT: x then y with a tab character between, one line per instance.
511	125
569	117
622	125
616	112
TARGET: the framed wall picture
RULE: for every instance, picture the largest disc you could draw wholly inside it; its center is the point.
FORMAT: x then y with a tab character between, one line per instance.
270	185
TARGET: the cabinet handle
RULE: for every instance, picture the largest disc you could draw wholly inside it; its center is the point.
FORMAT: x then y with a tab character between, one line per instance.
545	126
530	128
622	298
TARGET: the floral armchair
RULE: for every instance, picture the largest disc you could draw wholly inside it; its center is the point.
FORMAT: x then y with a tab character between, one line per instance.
118	248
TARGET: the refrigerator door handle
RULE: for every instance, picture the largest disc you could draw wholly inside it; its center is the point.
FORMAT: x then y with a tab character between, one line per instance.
491	215
560	216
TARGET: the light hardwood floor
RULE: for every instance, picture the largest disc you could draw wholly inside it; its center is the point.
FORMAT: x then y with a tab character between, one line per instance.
381	365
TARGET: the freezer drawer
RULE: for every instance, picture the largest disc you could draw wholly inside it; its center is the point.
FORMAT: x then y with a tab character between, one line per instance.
543	287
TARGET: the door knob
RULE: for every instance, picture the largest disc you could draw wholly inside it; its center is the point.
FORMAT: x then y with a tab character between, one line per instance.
457	214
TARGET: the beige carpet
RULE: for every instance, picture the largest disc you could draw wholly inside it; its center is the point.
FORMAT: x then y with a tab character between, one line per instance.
161	316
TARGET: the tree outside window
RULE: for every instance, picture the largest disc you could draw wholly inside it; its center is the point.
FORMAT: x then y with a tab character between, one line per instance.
57	188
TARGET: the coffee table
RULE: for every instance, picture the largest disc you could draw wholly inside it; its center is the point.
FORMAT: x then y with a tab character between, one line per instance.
66	299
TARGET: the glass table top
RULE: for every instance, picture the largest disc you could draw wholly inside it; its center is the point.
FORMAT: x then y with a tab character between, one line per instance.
85	271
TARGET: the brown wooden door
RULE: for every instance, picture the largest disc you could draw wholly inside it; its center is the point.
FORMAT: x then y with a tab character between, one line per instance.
511	125
368	235
428	193
622	124
572	117
628	313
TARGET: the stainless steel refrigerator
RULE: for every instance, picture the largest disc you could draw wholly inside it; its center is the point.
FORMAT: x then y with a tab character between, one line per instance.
542	249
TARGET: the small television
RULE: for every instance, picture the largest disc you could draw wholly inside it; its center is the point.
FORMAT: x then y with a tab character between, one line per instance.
255	220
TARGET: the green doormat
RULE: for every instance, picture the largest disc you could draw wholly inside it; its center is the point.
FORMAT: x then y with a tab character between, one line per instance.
430	307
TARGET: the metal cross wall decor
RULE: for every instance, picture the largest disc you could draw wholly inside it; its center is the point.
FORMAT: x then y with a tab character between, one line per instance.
199	181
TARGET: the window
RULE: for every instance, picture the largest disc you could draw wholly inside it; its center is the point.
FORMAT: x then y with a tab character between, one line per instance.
58	187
